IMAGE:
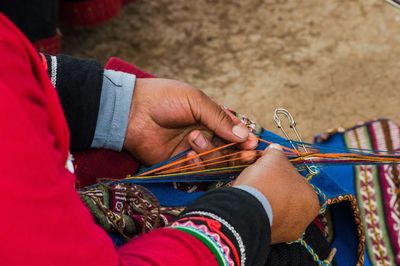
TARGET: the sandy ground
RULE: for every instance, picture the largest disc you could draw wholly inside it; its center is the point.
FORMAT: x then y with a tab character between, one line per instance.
331	63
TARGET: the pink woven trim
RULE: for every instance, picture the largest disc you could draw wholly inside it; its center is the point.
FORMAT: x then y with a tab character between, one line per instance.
211	234
387	181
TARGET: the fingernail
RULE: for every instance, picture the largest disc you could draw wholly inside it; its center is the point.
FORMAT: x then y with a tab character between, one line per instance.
196	160
191	153
254	141
240	131
200	141
275	146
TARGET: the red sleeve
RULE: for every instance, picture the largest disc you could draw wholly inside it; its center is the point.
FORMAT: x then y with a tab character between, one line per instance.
43	220
166	247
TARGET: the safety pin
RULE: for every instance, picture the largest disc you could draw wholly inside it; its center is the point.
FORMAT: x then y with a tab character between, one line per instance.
292	124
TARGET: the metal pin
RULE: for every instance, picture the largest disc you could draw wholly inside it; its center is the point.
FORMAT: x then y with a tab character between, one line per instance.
292	123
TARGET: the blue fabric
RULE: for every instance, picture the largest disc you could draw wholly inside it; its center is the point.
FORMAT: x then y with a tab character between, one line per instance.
115	104
169	196
343	175
344	226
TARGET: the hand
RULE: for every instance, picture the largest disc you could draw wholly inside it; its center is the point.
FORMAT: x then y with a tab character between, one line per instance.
168	116
294	203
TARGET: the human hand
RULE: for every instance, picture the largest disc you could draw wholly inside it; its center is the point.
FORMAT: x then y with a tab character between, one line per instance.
168	117
294	203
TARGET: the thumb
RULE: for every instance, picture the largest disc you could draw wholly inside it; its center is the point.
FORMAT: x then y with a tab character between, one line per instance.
265	168
272	161
272	154
213	116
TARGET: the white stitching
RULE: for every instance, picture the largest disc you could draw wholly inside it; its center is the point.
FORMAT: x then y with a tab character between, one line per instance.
53	70
227	225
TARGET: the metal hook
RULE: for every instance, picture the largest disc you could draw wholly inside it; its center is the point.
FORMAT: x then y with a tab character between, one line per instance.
292	123
287	114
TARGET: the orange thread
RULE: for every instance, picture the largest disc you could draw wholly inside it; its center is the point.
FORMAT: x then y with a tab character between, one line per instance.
186	159
289	152
203	163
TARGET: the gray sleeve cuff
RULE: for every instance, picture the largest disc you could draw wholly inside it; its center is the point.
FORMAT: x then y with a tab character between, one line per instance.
115	105
261	198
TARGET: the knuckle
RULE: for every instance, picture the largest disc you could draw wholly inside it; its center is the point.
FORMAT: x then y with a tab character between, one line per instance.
221	115
194	91
197	94
220	118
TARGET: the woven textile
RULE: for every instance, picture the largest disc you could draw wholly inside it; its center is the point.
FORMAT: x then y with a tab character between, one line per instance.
126	210
376	188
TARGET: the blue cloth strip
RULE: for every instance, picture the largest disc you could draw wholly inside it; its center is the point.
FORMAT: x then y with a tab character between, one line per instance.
115	105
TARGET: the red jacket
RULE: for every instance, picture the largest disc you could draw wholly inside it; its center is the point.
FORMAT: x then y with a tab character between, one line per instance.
43	221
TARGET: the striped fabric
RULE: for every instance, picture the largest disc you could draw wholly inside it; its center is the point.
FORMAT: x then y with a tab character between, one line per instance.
378	191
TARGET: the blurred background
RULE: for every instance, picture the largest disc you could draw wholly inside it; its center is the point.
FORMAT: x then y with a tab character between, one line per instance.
331	63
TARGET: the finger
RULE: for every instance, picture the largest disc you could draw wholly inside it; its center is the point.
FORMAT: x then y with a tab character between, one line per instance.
271	154
273	160
250	144
242	157
247	157
210	114
200	142
234	118
196	161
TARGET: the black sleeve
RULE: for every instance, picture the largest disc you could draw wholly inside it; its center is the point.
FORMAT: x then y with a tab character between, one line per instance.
244	213
296	254
78	83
